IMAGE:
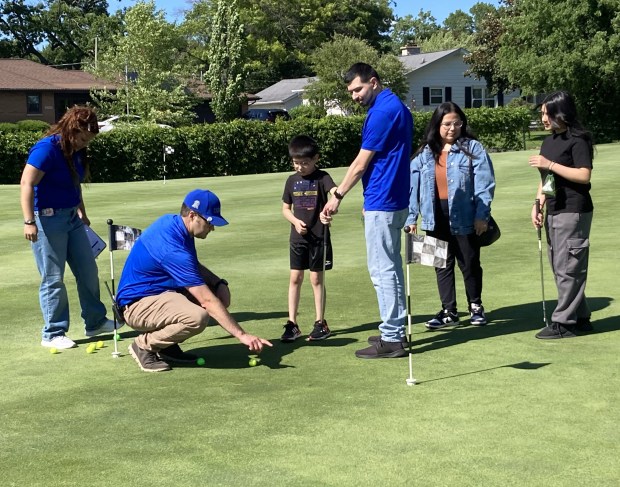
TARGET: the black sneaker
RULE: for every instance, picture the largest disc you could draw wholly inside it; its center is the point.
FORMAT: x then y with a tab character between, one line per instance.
556	330
476	313
383	349
320	331
291	332
148	361
584	324
376	338
174	354
442	319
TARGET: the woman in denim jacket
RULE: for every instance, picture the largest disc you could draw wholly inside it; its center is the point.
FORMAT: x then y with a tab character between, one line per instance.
452	186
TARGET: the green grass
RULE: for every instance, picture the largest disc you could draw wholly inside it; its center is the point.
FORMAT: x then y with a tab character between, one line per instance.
494	406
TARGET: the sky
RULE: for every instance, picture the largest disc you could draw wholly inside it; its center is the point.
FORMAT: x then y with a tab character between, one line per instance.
439	9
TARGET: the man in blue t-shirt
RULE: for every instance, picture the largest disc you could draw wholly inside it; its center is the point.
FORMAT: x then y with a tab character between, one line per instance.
165	293
383	166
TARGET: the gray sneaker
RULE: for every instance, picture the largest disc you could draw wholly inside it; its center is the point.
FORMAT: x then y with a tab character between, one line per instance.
106	327
382	349
148	361
377	338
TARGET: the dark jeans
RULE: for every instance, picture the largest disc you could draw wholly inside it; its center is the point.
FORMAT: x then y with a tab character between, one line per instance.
466	251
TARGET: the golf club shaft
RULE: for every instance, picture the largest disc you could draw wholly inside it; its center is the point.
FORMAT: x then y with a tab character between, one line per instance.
323	297
540	259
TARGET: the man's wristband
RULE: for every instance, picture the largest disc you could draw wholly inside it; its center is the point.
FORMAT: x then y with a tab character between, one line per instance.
30	222
219	283
338	196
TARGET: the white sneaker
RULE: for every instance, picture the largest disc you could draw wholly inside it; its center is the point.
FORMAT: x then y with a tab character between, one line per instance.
61	342
107	327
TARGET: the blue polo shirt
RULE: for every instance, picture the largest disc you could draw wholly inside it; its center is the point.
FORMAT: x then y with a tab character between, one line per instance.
56	189
162	259
388	130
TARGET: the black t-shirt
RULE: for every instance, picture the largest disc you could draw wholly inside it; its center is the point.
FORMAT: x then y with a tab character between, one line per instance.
569	151
308	196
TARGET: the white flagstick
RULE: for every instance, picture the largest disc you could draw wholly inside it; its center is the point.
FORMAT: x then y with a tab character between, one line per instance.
410	380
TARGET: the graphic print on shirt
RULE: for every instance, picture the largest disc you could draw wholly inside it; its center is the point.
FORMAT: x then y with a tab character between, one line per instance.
305	194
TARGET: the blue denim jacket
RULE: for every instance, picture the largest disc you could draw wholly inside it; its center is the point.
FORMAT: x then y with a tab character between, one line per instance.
466	201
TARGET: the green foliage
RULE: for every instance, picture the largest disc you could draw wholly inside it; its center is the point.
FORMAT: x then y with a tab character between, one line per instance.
332	60
8	127
148	68
33	125
307	111
413	30
136	153
571	45
225	77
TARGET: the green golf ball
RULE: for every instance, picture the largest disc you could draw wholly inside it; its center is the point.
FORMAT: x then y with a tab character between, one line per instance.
117	338
253	362
200	361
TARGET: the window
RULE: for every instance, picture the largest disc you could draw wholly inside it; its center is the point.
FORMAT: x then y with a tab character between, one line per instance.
481	97
436	96
33	104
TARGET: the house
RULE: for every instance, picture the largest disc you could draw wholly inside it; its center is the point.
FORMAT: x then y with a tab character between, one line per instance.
285	94
33	91
436	77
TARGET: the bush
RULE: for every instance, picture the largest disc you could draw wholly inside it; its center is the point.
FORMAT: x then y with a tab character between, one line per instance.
307	111
242	146
8	127
33	125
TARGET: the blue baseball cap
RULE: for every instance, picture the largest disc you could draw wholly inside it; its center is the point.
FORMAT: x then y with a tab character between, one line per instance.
207	205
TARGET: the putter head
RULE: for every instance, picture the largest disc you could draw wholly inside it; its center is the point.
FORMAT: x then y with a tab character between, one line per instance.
116	354
411	382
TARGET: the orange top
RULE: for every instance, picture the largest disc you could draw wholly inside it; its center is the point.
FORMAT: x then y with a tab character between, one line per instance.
441	176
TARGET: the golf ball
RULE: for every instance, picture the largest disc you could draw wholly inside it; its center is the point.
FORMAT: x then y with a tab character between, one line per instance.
200	361
99	344
53	350
253	362
117	337
90	349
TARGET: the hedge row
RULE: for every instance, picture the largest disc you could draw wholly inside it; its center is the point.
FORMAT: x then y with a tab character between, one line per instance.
240	147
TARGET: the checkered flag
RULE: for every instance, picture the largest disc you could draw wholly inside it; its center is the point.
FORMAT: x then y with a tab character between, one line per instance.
425	250
123	237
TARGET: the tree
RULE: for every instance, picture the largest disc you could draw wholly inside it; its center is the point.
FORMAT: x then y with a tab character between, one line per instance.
459	23
574	45
225	75
147	66
413	30
444	40
280	35
57	31
332	60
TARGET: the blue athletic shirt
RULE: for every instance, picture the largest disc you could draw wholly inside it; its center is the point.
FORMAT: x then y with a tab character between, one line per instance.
56	189
388	130
162	259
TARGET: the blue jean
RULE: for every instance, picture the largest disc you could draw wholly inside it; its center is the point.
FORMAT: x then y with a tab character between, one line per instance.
383	231
62	240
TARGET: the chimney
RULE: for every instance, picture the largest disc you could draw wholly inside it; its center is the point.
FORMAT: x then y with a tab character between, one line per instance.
409	50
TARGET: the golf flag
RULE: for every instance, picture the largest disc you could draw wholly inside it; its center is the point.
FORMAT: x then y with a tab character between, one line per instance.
123	237
425	250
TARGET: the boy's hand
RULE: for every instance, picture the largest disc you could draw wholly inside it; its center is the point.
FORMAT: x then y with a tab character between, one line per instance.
301	227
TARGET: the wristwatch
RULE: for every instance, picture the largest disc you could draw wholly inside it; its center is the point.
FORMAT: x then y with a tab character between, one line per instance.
30	222
337	195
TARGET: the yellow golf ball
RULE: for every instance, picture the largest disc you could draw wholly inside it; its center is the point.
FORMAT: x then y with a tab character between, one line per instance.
253	362
90	348
99	344
53	350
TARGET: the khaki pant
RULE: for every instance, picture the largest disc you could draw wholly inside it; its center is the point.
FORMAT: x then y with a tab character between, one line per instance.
165	319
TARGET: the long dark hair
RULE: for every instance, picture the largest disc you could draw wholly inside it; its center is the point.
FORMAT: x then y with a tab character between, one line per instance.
75	120
432	136
561	108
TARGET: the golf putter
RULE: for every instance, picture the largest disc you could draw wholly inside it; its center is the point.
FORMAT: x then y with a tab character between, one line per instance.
117	319
540	259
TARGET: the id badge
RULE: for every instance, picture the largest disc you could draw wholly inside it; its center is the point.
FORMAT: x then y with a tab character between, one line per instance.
47	212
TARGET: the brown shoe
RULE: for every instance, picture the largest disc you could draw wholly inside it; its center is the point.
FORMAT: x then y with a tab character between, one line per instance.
148	361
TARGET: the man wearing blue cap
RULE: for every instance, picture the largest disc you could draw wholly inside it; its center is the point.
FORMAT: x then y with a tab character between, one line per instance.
165	293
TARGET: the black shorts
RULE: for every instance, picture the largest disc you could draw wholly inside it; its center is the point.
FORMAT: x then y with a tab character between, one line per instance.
309	255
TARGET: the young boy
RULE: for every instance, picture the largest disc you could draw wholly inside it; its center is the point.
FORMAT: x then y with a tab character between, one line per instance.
305	195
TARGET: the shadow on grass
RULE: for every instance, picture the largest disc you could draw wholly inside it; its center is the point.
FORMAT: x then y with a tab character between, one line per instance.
506	321
519	365
242	316
236	355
